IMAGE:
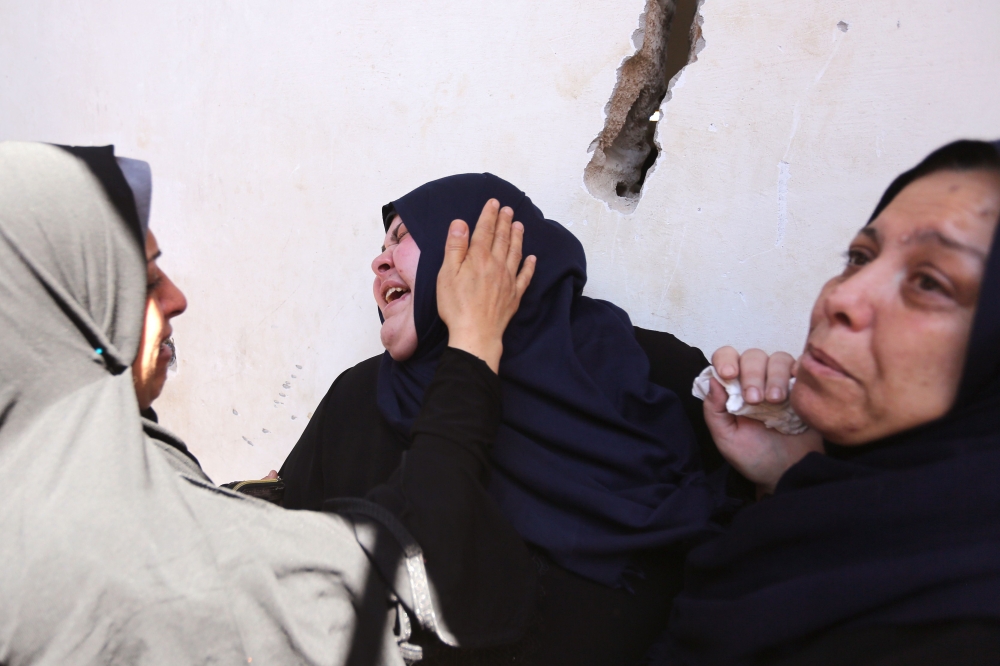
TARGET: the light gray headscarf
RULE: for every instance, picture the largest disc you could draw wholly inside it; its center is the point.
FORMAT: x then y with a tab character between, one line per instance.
111	551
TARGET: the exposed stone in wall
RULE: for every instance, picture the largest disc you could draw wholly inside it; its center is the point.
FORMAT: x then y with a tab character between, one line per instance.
668	39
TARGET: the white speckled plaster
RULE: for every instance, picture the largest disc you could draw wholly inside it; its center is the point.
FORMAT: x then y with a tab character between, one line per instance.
277	130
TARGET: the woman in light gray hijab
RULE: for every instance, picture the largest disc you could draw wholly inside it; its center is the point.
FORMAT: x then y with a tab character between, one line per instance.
111	551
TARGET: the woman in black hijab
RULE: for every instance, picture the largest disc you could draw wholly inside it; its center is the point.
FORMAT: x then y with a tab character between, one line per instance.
885	550
595	462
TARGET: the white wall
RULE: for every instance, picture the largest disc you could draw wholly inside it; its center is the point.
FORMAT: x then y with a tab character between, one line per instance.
277	130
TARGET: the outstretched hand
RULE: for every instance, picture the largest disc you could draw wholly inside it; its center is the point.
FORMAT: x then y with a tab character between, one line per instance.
479	287
759	453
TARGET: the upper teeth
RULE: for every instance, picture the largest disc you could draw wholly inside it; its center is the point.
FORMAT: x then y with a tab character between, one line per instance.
392	291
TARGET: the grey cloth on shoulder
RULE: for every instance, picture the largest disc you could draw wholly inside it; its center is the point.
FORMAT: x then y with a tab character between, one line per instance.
115	547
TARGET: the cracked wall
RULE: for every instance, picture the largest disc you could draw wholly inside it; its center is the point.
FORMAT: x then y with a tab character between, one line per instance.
667	40
277	131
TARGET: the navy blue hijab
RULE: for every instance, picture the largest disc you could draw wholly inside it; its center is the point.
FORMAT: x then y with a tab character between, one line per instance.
592	462
902	531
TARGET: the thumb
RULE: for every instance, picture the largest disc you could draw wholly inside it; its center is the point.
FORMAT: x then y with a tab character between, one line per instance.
719	420
456	247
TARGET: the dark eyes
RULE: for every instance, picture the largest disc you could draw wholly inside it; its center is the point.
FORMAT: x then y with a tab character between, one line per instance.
927	283
857	258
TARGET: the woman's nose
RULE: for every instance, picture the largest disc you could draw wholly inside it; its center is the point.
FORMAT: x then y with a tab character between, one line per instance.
174	302
853	301
383	262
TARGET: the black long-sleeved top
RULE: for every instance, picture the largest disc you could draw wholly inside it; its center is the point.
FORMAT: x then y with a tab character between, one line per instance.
494	589
492	586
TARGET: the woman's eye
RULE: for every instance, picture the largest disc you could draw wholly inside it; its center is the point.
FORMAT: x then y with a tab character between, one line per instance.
927	283
857	258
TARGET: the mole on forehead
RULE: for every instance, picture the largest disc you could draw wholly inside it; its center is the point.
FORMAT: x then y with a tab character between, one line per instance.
928	236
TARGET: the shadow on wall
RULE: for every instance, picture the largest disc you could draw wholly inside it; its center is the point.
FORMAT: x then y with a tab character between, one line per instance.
668	39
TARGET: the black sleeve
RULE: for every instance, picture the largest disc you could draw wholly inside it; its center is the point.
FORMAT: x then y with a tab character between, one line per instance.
674	365
347	448
970	642
480	566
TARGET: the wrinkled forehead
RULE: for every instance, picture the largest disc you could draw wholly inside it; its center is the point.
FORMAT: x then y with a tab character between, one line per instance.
956	210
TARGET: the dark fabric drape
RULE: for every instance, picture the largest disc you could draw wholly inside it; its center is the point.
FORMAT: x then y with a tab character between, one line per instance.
900	532
349	449
592	461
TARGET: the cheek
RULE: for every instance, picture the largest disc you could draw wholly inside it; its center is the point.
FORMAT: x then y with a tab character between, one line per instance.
406	259
151	328
837	410
921	361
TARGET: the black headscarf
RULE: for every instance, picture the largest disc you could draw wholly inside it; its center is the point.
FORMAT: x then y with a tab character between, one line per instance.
592	461
901	531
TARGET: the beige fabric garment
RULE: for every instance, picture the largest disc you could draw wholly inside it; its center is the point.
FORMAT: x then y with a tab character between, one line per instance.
113	549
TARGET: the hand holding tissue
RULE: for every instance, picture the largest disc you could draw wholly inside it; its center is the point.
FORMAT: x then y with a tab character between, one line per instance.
778	416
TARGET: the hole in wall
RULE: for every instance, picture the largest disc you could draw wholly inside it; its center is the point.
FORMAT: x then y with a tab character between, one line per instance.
667	40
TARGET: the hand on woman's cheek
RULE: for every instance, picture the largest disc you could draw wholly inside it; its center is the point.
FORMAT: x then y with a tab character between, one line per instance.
480	284
888	337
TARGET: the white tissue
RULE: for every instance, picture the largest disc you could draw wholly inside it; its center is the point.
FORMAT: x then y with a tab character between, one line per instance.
778	416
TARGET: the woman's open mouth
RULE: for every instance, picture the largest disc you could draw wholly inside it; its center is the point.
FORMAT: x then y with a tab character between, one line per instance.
394	294
168	351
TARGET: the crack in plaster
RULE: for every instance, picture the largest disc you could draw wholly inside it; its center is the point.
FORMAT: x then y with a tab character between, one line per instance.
784	175
667	40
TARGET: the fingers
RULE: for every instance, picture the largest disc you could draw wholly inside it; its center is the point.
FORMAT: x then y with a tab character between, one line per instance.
524	276
456	247
753	375
486	226
502	233
513	258
779	371
762	377
727	362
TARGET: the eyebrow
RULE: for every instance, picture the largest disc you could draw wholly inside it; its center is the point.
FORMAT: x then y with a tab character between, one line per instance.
930	235
395	234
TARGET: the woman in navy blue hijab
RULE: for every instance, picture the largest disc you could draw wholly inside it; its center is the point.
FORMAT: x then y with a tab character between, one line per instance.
595	462
885	550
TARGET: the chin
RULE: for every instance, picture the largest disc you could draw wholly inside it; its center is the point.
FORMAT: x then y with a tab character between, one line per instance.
399	350
400	353
400	344
826	415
